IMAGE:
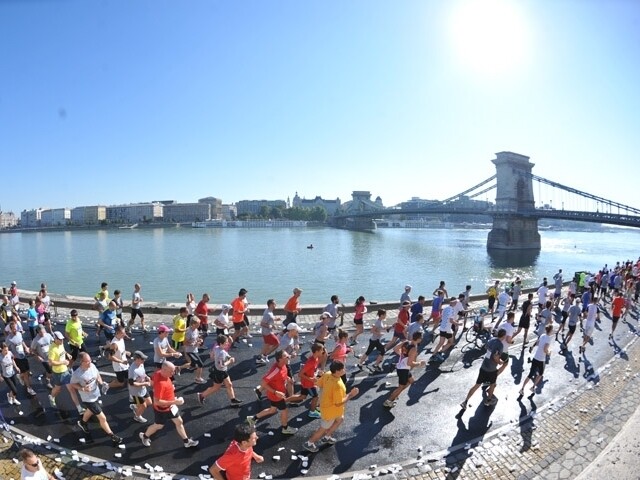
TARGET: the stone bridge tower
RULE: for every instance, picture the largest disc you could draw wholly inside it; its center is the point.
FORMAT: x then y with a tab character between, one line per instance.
515	225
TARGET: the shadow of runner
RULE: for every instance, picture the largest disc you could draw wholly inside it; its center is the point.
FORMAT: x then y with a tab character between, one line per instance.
466	437
526	422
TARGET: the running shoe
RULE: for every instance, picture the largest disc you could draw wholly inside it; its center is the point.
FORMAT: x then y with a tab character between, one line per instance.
310	447
104	388
389	404
251	421
139	419
313	414
328	440
146	441
258	393
289	430
52	401
200	380
200	398
10	399
31	391
116	440
83	426
190	442
236	403
16	401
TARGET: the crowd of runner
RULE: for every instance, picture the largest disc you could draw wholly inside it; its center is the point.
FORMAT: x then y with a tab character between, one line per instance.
553	313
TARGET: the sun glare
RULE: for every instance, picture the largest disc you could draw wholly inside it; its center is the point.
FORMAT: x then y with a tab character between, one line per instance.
490	37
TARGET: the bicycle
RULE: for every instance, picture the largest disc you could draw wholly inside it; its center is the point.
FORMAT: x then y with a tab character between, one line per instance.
478	334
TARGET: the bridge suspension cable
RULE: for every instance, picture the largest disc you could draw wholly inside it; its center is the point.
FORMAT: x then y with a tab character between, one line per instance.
585	194
484	182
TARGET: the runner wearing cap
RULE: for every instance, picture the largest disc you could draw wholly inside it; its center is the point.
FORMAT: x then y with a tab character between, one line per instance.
60	361
138	382
75	335
40	348
192	341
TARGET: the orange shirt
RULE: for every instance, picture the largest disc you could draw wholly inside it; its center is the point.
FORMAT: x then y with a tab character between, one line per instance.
616	306
163	389
292	305
238	310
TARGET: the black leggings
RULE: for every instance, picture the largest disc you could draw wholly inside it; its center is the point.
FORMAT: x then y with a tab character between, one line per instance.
11	382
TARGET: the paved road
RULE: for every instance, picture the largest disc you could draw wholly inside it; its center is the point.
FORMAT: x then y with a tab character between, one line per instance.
427	415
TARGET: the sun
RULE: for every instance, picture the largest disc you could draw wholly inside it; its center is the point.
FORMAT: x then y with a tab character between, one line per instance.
490	37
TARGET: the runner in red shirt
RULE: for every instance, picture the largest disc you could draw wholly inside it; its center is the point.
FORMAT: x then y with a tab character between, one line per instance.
202	312
617	306
276	383
308	380
236	460
165	406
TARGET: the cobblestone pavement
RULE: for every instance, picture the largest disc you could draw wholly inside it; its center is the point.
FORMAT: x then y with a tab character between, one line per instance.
557	440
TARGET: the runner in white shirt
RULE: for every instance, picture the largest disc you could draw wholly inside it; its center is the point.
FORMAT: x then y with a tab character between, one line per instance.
590	323
539	359
119	360
507	340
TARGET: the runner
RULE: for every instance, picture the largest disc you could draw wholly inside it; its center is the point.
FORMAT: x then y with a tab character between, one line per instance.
179	329
276	383
269	338
539	360
377	330
136	308
400	327
525	319
292	307
86	380
449	319
308	381
333	400
488	371
40	348
162	350
358	319
165	407
19	349
202	312
9	373
75	335
219	372
236	460
138	382
617	311
192	341
117	351
407	352
60	361
590	323
238	313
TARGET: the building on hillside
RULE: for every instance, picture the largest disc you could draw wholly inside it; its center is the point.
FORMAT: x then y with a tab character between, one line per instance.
216	207
88	215
329	205
253	207
186	212
135	213
8	220
30	218
229	212
55	217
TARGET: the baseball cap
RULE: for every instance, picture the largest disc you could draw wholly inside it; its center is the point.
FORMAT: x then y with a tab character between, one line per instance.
406	303
58	335
293	326
226	307
325	315
140	355
407	287
163	328
14	283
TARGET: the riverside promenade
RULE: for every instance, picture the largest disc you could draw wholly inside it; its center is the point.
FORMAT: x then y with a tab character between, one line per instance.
585	430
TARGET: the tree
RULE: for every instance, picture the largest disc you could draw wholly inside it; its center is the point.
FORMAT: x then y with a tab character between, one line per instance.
264	211
318	214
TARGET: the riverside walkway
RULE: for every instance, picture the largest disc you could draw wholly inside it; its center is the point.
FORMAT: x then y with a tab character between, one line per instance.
554	435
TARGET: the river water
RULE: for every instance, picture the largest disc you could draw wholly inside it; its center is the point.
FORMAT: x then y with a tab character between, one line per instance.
169	262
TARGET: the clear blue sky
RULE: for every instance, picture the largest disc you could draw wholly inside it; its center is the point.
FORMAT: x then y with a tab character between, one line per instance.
123	101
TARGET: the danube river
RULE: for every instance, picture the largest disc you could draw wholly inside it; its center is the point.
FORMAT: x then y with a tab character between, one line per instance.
169	262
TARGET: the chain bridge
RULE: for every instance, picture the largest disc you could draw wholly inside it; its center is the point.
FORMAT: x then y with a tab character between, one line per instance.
515	212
